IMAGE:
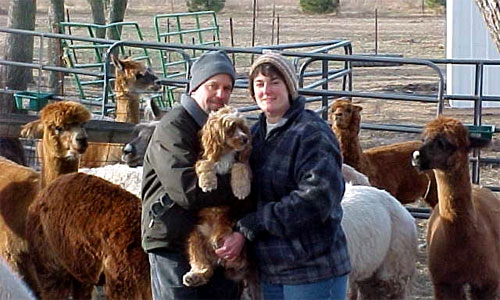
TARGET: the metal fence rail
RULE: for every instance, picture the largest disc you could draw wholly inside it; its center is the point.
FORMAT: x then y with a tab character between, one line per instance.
319	90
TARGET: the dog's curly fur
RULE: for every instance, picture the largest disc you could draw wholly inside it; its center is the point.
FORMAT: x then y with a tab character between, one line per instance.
225	141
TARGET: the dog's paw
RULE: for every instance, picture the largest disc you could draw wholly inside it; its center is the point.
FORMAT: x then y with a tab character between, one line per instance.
240	181
241	191
194	279
207	181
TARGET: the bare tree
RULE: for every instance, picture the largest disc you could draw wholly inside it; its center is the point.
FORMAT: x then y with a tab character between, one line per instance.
18	48
116	14
56	15
490	9
98	15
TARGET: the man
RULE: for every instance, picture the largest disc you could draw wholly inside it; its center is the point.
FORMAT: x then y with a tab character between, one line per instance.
171	197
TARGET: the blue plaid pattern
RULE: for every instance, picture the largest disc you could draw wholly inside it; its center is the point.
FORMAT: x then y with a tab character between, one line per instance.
298	187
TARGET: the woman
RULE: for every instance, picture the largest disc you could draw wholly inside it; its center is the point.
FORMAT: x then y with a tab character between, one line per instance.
298	241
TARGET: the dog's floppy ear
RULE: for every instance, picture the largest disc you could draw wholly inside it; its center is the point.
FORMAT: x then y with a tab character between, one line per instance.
212	138
244	155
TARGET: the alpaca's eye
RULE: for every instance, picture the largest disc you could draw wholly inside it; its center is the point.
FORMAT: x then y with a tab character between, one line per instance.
139	75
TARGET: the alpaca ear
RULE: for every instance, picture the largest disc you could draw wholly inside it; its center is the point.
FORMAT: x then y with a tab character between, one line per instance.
32	130
357	108
117	62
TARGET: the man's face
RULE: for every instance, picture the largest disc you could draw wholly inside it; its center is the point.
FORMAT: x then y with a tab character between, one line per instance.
213	93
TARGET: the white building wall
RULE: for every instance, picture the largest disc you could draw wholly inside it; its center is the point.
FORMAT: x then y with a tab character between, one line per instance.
468	37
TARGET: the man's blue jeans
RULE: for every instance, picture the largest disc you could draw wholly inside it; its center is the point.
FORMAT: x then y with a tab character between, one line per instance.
334	288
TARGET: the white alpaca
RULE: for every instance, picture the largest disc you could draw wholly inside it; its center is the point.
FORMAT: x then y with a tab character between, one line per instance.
382	242
128	178
354	177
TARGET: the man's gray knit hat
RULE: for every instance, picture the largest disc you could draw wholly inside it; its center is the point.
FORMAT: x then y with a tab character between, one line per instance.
284	66
210	64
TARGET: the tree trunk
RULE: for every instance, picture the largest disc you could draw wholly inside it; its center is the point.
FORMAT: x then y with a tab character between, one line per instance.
490	9
116	14
18	48
56	15
97	7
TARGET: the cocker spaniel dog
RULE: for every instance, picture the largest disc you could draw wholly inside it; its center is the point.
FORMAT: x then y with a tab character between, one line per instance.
225	141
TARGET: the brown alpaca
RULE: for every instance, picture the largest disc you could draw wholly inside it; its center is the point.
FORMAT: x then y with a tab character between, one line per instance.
132	78
64	139
463	233
83	231
225	140
387	167
18	187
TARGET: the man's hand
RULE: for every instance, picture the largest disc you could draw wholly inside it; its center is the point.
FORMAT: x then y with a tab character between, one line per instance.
231	247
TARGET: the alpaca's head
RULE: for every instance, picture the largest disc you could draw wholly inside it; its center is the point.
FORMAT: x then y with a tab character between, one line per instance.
225	131
134	76
446	145
61	124
133	152
345	115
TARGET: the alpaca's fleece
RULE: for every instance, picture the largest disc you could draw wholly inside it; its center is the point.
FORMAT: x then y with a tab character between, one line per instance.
463	233
128	178
354	177
388	167
83	230
18	187
382	242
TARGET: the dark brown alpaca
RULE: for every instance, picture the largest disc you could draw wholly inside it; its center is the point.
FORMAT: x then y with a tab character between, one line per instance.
83	231
463	232
387	167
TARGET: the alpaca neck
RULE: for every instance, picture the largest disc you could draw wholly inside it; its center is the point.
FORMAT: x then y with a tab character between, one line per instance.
455	195
350	147
127	103
54	167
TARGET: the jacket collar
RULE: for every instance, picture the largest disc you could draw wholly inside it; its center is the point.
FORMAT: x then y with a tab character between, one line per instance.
297	106
194	110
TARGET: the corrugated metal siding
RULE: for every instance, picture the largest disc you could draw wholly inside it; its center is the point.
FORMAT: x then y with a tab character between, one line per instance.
468	37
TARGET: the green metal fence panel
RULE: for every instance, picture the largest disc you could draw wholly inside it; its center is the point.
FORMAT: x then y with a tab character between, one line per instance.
89	56
196	28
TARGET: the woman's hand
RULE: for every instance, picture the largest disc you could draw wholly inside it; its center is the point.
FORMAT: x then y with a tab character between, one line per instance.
231	247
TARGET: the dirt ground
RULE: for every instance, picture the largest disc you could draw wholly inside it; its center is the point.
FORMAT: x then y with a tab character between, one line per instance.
403	30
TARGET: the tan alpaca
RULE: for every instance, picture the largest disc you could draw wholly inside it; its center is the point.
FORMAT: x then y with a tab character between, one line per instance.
132	79
463	233
64	139
387	167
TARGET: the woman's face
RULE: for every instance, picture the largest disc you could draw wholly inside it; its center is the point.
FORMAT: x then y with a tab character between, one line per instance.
271	95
